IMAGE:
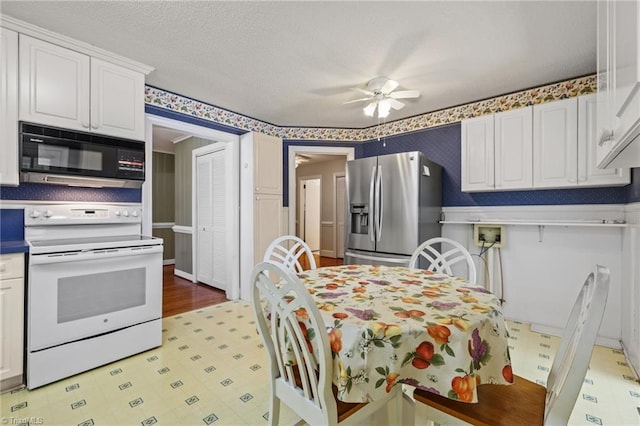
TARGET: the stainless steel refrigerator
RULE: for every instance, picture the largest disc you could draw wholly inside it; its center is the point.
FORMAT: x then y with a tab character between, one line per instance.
393	204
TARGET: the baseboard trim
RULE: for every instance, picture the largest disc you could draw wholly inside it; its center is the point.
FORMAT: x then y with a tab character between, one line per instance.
554	331
182	274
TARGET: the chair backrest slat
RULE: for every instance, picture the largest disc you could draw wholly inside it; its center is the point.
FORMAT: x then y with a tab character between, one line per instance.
289	250
450	253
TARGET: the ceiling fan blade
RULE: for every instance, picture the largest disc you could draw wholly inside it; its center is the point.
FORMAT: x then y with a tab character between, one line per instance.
370	109
395	104
364	92
389	86
358	100
403	94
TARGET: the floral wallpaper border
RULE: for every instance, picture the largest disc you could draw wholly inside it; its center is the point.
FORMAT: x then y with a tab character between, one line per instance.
548	93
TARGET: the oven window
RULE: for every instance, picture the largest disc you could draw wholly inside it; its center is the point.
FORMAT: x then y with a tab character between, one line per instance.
89	295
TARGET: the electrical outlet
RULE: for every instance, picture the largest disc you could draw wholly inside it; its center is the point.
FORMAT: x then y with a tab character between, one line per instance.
488	235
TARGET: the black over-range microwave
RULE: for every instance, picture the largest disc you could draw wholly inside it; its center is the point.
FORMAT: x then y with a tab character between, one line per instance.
66	157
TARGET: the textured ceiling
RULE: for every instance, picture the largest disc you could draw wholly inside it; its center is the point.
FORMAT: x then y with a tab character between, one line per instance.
296	63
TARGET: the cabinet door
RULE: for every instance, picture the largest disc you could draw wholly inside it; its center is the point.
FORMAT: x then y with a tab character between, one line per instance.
513	149
11	327
626	55
117	100
477	154
9	108
267	221
267	176
605	81
54	85
555	142
588	172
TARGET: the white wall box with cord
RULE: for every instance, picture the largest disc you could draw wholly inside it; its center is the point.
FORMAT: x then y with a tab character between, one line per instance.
489	237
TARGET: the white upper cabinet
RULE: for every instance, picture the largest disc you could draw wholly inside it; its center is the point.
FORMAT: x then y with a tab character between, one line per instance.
496	151
9	107
64	88
117	100
588	172
513	149
618	67
555	141
550	145
267	178
477	154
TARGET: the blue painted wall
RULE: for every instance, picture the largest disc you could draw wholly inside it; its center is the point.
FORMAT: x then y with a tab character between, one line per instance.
44	192
443	146
633	190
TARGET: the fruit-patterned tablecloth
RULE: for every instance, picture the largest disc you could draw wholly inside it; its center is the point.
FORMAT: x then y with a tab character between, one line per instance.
390	325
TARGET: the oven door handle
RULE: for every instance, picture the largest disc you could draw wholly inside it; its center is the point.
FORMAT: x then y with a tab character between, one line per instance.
41	259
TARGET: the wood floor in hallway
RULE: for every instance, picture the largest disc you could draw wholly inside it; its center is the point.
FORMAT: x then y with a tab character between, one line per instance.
180	295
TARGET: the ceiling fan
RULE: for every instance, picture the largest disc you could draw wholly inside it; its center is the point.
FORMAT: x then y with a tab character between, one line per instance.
381	95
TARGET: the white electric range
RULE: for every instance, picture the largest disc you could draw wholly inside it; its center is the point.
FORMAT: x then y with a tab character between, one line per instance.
94	292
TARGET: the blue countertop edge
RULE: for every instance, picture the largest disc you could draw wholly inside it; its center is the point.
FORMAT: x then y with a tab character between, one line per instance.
14	246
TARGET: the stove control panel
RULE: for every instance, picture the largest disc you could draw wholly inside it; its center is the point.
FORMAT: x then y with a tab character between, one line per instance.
77	214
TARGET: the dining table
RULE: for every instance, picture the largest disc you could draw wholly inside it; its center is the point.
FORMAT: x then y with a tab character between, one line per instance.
392	325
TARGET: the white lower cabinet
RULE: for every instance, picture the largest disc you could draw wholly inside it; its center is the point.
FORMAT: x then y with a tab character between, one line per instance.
267	210
11	320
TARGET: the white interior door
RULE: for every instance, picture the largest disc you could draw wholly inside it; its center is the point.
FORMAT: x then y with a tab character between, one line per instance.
339	203
211	227
310	213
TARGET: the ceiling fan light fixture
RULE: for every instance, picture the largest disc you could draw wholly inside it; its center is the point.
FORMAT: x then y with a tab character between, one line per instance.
384	107
370	109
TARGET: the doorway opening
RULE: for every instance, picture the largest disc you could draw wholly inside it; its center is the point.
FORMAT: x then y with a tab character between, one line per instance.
309	207
185	227
324	162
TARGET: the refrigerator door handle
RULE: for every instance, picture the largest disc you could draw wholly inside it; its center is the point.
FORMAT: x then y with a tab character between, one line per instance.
371	200
379	204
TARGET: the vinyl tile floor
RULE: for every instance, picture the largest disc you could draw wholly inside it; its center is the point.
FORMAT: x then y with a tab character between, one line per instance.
211	369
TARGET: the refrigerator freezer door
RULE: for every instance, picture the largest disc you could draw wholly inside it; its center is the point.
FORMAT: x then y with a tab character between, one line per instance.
360	229
399	191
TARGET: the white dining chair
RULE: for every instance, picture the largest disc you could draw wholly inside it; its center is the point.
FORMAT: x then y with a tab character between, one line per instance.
525	402
441	254
290	251
304	385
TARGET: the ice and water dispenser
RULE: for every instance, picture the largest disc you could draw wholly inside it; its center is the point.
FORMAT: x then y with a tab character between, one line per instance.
359	218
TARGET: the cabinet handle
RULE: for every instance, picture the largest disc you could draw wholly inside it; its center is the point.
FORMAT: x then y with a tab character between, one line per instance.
85	125
5	288
572	180
605	136
94	126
